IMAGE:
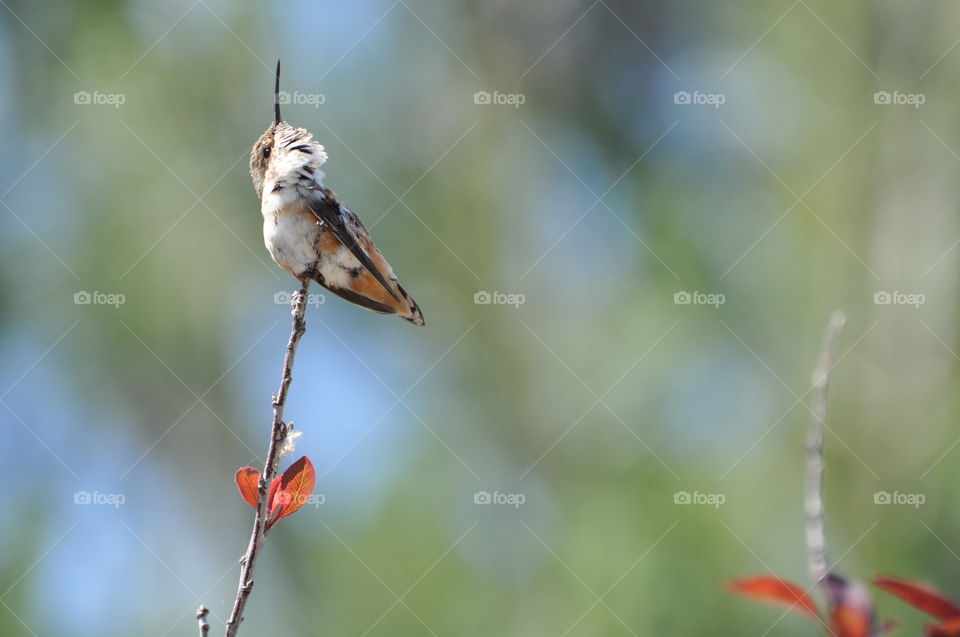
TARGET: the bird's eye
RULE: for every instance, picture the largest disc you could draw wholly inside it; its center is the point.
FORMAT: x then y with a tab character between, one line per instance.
266	152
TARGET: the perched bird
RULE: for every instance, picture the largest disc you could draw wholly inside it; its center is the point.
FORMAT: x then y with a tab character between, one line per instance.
309	233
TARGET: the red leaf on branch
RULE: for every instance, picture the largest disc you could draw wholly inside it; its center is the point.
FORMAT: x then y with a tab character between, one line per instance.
920	596
773	589
852	611
949	628
852	621
270	493
273	508
247	479
291	491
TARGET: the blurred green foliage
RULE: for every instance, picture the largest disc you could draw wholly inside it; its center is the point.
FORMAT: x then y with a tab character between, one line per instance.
598	398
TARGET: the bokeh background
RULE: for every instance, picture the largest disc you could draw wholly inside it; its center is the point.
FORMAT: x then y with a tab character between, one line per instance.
777	160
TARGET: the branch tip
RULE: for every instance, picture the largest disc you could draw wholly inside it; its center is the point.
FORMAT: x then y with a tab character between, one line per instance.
202	613
813	498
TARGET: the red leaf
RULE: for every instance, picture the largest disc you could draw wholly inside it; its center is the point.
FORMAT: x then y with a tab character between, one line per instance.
850	620
774	589
247	479
920	596
273	508
291	491
851	608
949	628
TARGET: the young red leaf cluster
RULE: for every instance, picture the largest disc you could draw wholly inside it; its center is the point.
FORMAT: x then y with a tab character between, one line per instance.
926	599
288	493
850	609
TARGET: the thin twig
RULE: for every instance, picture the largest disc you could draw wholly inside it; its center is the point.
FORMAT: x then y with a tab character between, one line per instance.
813	500
202	613
278	434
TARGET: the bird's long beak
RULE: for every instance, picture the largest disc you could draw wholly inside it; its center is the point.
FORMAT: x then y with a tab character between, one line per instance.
276	96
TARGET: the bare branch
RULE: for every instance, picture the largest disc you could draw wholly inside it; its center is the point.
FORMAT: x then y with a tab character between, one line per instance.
202	613
278	434
813	500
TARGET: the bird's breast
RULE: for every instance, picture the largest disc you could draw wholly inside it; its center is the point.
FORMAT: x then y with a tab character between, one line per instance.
291	238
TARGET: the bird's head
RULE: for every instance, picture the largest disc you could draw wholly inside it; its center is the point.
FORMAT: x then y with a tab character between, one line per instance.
284	154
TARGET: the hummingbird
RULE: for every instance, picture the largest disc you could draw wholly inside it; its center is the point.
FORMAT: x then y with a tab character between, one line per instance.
306	229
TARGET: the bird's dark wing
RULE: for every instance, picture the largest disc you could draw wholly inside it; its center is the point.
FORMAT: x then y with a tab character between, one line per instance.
323	203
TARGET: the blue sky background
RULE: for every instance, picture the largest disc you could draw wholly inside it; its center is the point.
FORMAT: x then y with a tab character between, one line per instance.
598	398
